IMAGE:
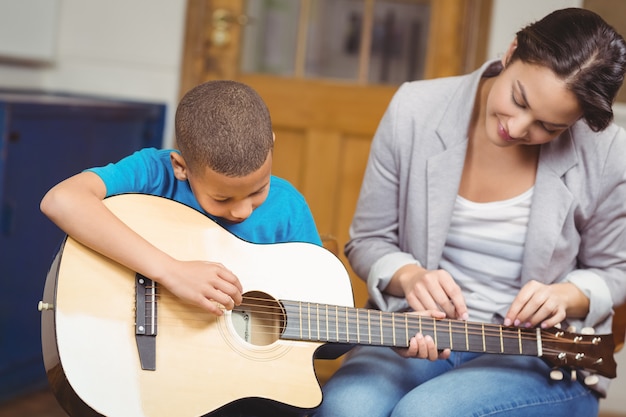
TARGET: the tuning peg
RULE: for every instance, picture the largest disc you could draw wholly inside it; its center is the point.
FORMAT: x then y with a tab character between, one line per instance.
574	375
556	375
588	330
571	329
591	380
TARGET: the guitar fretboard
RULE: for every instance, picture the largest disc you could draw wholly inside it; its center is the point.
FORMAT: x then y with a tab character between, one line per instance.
328	323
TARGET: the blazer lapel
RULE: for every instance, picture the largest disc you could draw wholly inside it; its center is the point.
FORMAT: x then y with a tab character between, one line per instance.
551	203
444	168
444	175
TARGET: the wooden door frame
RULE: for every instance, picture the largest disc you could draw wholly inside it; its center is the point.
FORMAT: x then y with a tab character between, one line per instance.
458	35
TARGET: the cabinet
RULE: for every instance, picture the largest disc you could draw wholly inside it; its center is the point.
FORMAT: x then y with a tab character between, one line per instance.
46	138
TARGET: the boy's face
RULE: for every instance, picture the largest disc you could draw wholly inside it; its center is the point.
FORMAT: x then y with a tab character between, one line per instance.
231	198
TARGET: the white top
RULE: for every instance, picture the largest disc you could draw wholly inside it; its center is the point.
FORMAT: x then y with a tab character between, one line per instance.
483	253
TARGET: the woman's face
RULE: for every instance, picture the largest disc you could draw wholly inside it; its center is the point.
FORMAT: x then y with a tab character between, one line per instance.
528	105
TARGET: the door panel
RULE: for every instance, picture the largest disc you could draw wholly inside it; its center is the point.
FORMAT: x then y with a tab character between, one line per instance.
324	127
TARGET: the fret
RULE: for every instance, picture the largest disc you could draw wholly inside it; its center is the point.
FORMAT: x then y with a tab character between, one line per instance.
333	331
317	320
375	330
363	324
493	340
336	324
364	329
347	318
459	337
347	325
475	337
406	328
528	342
413	326
393	328
327	326
512	340
482	326
444	333
466	337
300	316
358	330
387	332
308	316
539	346
305	312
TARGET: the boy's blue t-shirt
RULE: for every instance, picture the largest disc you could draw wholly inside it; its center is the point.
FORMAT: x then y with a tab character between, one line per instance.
283	217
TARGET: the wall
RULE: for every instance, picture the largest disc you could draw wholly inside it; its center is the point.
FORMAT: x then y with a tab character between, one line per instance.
132	50
113	48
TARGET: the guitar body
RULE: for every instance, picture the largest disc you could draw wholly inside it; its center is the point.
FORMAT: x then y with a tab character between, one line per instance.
202	361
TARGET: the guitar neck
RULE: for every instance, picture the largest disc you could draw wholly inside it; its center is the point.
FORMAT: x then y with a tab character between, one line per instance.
337	324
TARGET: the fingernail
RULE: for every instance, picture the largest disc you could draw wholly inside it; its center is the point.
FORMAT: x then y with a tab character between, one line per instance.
517	322
507	322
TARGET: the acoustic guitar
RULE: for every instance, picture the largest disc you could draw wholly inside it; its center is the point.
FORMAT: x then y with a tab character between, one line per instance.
117	344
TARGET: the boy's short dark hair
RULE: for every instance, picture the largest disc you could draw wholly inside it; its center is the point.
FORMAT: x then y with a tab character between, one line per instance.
224	125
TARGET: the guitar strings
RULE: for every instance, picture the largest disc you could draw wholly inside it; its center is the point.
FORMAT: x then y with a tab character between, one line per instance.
385	319
269	307
270	315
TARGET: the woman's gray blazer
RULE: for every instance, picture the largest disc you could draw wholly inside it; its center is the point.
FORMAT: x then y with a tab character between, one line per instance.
577	226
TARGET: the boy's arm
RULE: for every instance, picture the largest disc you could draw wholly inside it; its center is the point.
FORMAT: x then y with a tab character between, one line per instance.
75	205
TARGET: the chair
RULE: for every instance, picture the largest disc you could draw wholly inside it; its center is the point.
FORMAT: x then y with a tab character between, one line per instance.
330	243
619	327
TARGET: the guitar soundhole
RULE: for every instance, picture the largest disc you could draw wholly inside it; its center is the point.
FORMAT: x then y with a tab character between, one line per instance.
259	320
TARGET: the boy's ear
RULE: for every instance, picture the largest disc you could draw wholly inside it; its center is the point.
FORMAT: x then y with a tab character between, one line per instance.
179	165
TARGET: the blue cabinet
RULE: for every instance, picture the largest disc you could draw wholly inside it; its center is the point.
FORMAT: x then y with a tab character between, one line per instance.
46	138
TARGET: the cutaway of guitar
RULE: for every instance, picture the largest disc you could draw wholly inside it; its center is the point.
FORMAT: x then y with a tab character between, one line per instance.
116	344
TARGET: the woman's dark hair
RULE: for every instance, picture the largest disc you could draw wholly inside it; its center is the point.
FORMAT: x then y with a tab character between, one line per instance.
585	52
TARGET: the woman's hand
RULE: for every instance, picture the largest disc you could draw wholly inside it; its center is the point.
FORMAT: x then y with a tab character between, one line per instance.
423	347
429	290
546	305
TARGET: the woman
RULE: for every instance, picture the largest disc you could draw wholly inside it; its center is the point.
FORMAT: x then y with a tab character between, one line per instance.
497	197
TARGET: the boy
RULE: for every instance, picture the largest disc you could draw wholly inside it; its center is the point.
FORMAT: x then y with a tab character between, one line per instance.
224	132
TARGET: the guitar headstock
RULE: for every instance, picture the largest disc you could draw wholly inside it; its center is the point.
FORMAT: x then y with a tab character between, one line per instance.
592	353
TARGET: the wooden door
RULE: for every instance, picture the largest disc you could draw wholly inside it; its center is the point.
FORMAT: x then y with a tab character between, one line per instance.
324	126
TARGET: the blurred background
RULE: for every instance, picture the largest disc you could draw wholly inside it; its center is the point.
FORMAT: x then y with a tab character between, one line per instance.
85	82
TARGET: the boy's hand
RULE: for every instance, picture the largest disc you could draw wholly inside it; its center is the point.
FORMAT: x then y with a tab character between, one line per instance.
423	347
205	284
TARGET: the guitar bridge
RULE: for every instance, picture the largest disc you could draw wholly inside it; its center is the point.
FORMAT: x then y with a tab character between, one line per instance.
146	321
